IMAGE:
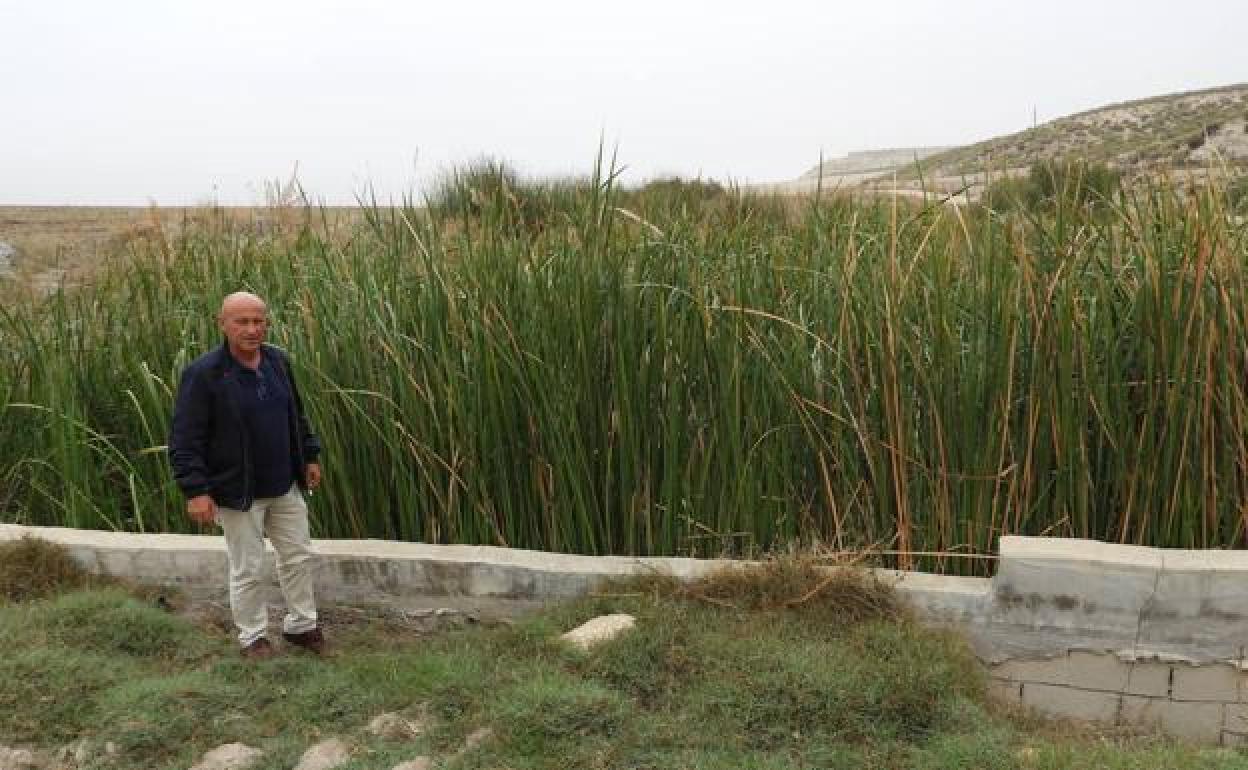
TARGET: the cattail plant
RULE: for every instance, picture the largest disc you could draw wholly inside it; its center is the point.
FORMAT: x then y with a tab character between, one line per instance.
682	370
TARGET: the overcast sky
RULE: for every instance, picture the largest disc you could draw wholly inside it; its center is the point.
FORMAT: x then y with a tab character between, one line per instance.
180	102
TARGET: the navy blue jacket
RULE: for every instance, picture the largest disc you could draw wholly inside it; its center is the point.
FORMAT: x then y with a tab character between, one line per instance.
208	441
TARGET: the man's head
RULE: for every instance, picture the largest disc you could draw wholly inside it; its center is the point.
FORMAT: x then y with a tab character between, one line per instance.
244	320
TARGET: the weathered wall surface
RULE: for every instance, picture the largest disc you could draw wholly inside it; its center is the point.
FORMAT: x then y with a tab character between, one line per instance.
1068	627
1121	634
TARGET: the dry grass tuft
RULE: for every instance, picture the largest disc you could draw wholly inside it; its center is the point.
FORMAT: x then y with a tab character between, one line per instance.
800	583
788	582
31	568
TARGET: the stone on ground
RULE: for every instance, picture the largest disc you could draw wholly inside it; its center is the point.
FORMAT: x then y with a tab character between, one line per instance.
600	629
325	755
395	727
477	737
17	759
419	763
81	753
230	756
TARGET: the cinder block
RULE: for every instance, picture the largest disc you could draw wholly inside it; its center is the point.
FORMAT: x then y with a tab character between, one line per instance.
117	563
1217	682
87	557
1005	691
1096	671
490	580
1148	678
154	565
1046	671
1236	718
1192	721
1071	702
1084	670
202	566
1234	740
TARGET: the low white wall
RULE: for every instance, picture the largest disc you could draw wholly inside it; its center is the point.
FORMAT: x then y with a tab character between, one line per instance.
1068	627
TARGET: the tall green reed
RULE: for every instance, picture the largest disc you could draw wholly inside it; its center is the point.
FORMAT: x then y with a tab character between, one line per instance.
684	370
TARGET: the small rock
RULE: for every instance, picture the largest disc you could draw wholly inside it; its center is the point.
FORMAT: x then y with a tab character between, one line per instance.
419	763
76	753
16	759
8	255
600	629
395	727
447	617
230	756
325	755
477	737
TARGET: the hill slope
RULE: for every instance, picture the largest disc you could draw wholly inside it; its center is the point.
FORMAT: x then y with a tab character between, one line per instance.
1182	131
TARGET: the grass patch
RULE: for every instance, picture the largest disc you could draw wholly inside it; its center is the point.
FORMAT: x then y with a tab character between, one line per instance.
111	621
49	694
752	679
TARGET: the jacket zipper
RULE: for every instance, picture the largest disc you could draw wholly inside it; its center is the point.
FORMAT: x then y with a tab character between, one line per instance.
231	396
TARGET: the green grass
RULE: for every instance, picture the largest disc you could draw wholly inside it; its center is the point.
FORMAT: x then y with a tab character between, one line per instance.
682	369
727	683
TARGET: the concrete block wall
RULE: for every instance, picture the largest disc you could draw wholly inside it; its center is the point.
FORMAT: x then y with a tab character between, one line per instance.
1073	628
1204	703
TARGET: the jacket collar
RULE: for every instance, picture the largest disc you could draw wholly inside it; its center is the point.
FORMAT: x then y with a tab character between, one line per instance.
225	362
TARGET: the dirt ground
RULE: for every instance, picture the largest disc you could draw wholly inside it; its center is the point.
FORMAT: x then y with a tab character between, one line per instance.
58	245
62	243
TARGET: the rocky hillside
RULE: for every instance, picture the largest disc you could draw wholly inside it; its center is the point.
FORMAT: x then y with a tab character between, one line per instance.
1193	130
1174	131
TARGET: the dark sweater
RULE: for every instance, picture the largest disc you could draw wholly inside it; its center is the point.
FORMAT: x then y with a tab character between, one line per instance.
211	444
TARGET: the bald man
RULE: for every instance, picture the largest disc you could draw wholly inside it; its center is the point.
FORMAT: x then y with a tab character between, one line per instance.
242	452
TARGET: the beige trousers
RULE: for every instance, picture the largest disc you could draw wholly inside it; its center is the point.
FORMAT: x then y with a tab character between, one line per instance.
285	521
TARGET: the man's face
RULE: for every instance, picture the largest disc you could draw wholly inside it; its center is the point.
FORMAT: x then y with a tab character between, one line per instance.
244	324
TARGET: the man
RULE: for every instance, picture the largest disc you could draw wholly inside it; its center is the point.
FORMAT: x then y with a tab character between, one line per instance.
241	449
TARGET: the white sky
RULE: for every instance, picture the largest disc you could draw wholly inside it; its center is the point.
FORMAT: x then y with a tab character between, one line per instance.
183	101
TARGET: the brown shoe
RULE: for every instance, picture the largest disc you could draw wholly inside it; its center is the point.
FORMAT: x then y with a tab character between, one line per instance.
259	650
313	641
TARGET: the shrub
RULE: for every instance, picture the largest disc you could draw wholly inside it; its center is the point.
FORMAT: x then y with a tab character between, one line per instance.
1050	184
1008	193
492	191
31	568
1077	182
675	196
469	190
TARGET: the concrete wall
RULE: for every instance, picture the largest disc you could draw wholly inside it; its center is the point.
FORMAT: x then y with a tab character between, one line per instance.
1072	628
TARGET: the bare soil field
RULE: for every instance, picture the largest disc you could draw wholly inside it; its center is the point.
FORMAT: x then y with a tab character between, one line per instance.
55	245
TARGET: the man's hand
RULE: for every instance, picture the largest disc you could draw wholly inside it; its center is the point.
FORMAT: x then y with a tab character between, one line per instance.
313	475
202	509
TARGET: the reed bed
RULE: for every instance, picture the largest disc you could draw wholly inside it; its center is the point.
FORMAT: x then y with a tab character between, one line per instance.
685	370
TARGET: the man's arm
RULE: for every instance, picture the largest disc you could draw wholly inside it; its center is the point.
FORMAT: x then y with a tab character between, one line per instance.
188	445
